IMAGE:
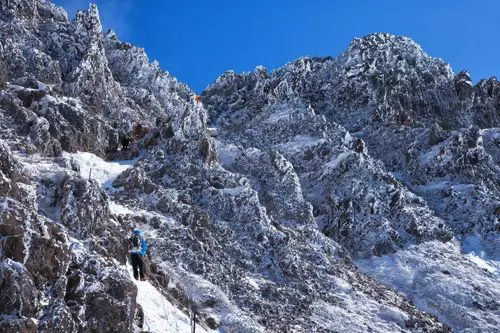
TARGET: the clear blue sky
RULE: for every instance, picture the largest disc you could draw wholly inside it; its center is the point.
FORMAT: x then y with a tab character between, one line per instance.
197	40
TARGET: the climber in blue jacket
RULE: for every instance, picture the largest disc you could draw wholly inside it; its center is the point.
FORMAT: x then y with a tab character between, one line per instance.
138	250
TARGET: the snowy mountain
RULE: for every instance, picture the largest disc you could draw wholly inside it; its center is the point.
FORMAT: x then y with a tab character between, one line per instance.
352	194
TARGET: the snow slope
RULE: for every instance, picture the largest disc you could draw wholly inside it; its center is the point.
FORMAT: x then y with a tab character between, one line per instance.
161	316
460	289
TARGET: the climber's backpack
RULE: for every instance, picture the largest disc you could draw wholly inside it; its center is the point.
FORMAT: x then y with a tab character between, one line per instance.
136	242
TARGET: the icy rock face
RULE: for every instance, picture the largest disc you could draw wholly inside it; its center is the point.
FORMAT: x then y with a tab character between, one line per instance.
80	198
153	90
92	79
247	230
25	52
354	200
381	142
58	69
486	103
460	180
380	78
61	246
392	76
55	124
47	275
250	235
456	172
131	67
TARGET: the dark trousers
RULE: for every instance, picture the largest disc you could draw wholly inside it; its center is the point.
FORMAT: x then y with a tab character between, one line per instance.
137	265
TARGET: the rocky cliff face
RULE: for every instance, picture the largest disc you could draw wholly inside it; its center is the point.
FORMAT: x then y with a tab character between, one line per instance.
380	78
380	161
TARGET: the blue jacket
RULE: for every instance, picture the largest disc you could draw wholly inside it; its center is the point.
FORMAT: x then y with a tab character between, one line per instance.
143	248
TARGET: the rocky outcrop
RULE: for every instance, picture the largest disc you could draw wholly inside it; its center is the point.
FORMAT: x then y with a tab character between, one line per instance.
379	139
380	78
486	107
229	234
48	280
53	58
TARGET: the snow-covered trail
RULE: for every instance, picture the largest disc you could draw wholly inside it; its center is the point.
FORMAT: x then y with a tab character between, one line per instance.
160	316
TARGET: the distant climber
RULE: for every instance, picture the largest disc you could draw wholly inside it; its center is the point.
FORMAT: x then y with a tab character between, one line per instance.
126	141
137	250
196	99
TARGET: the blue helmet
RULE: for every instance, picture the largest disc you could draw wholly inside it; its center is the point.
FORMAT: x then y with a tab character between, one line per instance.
137	232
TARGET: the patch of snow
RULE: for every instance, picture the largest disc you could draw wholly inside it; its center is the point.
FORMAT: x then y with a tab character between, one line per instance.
347	139
393	314
199	290
4	205
482	263
16	88
350	317
41	86
94	167
212	131
42	167
16	266
228	154
118	209
297	144
434	155
252	283
471	246
77	248
28	231
94	287
432	186
282	114
161	316
335	161
235	191
491	133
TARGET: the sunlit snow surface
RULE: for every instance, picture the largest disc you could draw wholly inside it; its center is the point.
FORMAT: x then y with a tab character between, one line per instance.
160	316
92	166
457	283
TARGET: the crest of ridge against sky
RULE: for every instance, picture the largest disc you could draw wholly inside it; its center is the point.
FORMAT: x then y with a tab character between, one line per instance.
197	40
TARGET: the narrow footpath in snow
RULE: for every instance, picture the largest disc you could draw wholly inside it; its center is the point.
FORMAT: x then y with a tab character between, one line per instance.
160	316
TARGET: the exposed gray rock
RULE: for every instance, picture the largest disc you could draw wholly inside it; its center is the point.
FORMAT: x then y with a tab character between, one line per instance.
436	135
